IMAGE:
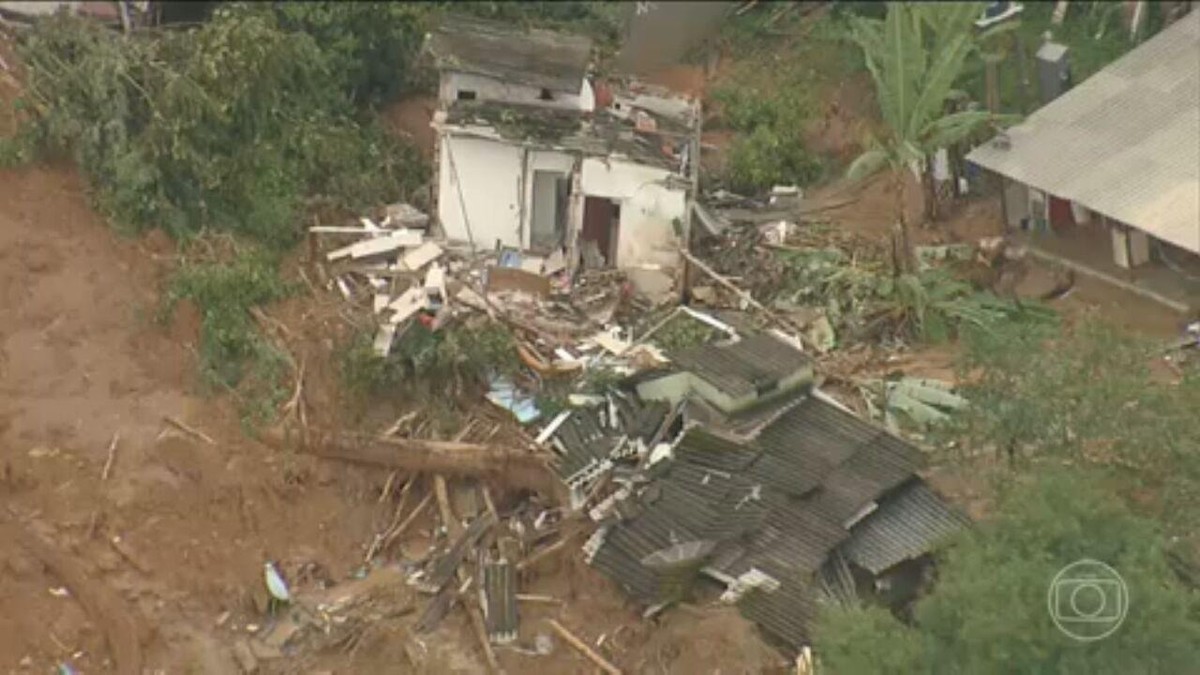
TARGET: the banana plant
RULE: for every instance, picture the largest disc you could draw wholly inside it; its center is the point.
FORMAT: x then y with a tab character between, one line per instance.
915	55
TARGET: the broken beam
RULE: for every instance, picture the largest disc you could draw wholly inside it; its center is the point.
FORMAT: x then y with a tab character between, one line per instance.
517	468
703	267
581	647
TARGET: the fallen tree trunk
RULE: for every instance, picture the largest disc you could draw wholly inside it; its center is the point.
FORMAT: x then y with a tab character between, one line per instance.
512	467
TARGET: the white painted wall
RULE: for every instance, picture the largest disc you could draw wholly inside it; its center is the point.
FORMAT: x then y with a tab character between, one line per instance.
648	209
543	160
491	89
497	185
489	174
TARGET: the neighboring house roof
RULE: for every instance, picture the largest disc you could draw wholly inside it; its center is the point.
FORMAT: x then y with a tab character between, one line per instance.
1124	141
536	58
738	369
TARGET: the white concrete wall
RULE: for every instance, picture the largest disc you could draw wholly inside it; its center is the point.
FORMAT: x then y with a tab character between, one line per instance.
491	89
497	185
648	209
489	174
542	160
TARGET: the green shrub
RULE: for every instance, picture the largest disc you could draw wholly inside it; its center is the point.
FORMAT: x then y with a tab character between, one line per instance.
233	353
233	126
441	361
766	158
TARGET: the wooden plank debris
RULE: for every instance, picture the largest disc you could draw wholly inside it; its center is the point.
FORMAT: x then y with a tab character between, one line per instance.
112	456
377	245
581	647
383	340
421	256
191	431
409	303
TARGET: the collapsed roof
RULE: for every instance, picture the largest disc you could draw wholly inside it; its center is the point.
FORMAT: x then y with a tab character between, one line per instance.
535	58
603	133
765	501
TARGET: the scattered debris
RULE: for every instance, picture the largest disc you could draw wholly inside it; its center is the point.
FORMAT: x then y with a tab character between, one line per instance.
276	586
191	431
582	647
926	402
112	456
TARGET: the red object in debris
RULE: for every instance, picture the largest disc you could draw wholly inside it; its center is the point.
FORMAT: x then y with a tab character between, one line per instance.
604	95
426	320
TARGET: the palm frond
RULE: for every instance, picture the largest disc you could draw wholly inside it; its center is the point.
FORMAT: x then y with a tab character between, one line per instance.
868	163
955	127
937	83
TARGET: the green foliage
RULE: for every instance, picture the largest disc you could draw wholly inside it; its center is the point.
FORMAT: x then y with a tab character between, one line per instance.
865	640
988	610
1092	400
443	360
232	351
235	126
372	46
930	305
683	332
772	96
769	148
1092	32
243	126
765	158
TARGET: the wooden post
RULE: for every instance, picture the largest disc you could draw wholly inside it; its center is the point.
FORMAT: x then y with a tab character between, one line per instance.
693	194
991	83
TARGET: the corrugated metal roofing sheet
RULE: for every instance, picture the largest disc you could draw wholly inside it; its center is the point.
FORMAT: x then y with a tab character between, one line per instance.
785	615
499	589
739	368
1124	141
904	526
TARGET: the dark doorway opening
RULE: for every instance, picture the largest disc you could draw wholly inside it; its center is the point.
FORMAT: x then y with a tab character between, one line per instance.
601	231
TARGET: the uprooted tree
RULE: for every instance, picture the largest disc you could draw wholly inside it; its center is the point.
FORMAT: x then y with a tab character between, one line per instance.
915	55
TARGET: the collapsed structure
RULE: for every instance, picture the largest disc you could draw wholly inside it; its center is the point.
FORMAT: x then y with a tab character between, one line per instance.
532	154
730	466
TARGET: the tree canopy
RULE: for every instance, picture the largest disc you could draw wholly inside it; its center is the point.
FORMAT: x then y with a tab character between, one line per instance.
989	610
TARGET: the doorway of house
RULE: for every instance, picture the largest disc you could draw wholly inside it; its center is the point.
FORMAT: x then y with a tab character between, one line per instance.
548	225
601	231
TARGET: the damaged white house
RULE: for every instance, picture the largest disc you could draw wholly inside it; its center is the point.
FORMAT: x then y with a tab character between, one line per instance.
535	155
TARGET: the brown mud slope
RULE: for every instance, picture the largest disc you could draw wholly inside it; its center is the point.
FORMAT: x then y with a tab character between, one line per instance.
82	361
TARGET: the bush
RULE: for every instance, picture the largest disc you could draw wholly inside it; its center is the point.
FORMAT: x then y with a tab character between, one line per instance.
228	127
372	45
445	360
232	351
765	159
769	148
